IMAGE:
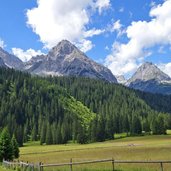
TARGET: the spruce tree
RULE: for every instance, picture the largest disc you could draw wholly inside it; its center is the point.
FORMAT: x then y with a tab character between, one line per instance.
15	147
49	138
58	135
81	136
6	150
43	133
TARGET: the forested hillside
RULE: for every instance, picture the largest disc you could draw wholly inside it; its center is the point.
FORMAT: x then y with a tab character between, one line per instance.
125	110
33	109
53	110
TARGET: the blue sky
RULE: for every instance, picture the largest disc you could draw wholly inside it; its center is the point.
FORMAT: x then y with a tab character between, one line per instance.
121	34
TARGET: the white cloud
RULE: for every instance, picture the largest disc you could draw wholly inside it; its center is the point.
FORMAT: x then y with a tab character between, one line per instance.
55	20
166	68
85	45
25	55
2	44
102	4
142	36
116	26
93	32
152	4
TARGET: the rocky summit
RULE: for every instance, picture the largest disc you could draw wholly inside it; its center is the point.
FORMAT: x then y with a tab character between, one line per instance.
150	78
9	60
66	59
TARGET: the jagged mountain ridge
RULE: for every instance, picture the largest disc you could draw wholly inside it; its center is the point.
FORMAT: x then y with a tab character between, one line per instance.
2	64
10	60
150	78
65	59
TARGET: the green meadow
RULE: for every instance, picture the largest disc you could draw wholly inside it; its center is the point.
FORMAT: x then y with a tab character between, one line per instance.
157	147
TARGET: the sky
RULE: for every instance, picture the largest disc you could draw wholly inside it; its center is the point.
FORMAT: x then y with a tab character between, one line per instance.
120	34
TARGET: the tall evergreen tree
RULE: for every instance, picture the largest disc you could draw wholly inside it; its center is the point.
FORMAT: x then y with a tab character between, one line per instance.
15	147
49	138
43	133
6	149
136	126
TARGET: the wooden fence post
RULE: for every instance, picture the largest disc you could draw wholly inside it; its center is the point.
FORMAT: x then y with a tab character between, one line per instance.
40	168
70	164
161	165
113	164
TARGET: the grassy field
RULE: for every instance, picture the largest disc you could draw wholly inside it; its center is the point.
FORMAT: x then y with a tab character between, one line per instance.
2	169
131	148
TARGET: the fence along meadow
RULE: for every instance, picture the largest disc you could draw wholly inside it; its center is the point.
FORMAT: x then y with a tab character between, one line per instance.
40	166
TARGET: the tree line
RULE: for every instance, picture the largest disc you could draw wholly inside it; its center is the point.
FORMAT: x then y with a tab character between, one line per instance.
55	110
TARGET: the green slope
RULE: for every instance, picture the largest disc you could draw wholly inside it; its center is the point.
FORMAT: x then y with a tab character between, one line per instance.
55	110
29	104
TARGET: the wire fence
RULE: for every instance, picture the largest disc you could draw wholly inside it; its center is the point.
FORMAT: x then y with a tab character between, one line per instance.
22	166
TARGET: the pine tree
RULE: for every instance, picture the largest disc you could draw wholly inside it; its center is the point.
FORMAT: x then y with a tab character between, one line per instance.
136	126
43	133
19	135
6	150
15	147
58	135
81	136
34	133
49	138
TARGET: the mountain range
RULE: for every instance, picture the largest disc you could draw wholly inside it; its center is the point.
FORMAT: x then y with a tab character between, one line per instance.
65	59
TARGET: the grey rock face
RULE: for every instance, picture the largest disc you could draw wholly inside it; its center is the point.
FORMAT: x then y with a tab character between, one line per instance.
66	60
149	71
10	60
2	64
150	78
121	79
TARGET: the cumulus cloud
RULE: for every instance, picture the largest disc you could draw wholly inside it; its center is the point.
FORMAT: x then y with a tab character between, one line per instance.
102	4
25	55
142	35
54	20
2	43
85	45
166	68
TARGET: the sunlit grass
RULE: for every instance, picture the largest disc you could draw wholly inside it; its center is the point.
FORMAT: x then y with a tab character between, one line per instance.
129	148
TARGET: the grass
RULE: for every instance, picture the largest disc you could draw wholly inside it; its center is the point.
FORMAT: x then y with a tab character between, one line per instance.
4	169
130	148
121	135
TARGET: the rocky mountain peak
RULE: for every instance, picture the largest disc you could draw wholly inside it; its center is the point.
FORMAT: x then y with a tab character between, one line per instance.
150	78
149	71
66	59
10	60
63	48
